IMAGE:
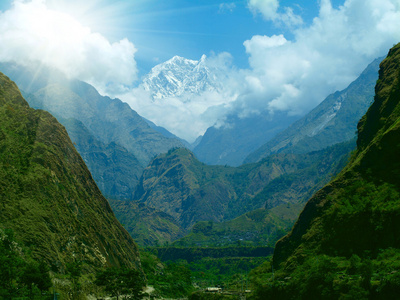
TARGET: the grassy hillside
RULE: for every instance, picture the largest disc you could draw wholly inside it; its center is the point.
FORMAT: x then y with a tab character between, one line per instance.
47	195
114	141
147	226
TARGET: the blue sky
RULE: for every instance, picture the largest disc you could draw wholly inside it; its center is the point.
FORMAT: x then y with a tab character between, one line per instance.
193	28
162	29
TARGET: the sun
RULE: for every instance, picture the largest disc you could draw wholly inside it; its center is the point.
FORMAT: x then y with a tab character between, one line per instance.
65	36
100	16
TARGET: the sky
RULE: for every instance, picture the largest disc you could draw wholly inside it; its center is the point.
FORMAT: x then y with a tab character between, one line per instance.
276	55
188	28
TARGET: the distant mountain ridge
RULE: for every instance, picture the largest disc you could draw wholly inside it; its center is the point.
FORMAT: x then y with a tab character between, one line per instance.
333	121
179	76
230	143
190	191
110	120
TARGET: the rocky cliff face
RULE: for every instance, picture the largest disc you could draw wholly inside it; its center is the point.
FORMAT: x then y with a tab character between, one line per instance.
148	226
358	212
47	194
115	170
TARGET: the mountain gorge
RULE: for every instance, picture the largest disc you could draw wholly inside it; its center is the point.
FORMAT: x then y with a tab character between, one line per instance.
350	227
48	197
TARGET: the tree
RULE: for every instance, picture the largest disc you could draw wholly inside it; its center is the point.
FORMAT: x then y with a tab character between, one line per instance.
36	275
74	270
10	263
121	281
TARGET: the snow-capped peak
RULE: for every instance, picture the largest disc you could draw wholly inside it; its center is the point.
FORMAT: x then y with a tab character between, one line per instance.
179	76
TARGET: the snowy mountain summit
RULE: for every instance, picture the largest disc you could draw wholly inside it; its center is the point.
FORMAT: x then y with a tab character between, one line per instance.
179	76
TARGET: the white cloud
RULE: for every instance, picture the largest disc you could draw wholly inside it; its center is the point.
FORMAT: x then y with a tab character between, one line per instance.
31	33
226	7
269	10
187	120
294	76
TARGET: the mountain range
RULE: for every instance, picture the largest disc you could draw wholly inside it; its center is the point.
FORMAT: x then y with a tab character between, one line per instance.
334	120
175	191
230	143
189	191
239	140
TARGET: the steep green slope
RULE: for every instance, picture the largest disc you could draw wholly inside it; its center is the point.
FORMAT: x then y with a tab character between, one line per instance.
333	121
148	226
190	191
355	219
47	195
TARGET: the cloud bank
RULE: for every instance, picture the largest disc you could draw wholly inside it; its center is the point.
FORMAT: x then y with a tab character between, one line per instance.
32	34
